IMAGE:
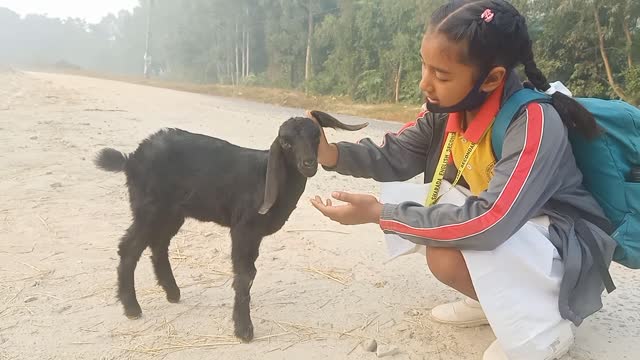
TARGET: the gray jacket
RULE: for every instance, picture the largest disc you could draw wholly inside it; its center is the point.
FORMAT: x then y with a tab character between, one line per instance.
537	166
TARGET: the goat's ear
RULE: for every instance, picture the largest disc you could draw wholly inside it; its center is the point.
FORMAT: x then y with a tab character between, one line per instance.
327	120
275	173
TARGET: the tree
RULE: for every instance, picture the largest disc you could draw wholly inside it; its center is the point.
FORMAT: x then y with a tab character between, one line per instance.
367	50
595	40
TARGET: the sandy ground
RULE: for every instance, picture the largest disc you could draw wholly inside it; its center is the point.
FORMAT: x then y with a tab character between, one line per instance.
317	293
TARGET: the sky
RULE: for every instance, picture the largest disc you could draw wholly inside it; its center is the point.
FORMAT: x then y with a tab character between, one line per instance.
90	10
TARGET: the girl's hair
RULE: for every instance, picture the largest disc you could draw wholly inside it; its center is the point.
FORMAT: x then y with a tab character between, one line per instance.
500	37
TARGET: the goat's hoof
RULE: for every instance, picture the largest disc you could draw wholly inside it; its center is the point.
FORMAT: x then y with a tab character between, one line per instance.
245	333
134	316
133	313
173	296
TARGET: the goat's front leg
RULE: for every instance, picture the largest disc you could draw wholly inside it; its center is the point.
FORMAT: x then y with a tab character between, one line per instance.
244	252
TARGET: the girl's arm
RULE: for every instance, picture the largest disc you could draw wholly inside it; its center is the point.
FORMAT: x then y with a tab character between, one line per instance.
400	157
535	146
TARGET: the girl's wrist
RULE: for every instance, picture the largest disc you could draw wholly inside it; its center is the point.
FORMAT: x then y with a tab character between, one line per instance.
376	214
328	156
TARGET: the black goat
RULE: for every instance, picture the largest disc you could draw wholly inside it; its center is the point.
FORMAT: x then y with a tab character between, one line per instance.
175	174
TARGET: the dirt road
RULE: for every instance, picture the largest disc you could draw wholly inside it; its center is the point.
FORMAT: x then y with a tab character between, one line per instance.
318	293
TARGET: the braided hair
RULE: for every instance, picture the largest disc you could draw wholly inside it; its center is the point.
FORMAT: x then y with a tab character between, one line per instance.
503	40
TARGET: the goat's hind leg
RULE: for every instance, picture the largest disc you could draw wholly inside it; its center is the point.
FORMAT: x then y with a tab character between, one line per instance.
160	255
131	247
244	252
154	229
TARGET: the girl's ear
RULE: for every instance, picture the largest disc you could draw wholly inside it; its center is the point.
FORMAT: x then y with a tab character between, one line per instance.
494	79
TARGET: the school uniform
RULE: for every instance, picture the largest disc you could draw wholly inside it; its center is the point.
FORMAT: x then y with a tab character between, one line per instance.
509	256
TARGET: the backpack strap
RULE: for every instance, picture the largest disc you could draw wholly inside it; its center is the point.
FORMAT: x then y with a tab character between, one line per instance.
586	235
508	112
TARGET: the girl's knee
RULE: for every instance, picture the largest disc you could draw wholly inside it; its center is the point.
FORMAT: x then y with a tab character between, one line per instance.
446	264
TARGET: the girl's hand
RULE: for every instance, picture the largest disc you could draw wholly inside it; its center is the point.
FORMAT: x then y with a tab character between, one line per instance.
360	208
327	153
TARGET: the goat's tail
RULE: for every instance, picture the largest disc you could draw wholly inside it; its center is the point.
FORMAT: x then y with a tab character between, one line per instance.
109	159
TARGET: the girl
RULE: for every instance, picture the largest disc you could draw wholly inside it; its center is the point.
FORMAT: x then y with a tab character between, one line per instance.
512	245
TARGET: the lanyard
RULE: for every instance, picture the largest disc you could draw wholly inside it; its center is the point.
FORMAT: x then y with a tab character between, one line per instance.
438	176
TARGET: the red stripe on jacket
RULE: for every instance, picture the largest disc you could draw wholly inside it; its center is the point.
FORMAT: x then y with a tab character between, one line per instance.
504	202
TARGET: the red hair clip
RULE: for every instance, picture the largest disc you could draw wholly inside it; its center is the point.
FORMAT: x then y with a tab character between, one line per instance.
487	15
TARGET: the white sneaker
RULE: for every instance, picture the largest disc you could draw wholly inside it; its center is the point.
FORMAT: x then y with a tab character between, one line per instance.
494	352
464	313
559	347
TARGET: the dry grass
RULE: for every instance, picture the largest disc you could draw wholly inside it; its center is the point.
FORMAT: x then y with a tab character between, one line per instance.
165	339
282	97
332	274
160	338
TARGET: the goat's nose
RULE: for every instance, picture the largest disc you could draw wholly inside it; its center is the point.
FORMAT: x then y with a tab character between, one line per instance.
309	163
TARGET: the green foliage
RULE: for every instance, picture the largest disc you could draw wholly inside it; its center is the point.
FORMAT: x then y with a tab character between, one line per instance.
358	47
632	81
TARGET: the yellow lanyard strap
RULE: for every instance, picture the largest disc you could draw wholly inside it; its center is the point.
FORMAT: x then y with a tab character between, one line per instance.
438	176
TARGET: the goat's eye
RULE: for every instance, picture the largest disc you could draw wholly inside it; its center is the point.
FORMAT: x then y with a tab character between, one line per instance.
285	145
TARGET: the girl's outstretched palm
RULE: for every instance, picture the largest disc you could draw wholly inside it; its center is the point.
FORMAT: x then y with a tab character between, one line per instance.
359	208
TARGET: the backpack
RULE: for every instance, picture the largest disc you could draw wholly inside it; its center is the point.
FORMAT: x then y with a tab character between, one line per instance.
606	164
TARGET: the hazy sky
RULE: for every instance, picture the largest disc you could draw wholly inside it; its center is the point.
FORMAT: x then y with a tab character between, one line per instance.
91	10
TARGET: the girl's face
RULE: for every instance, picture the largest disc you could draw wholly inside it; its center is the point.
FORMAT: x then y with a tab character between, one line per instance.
446	80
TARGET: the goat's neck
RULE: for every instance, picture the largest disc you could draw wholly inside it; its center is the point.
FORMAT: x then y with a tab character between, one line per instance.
288	195
294	185
290	191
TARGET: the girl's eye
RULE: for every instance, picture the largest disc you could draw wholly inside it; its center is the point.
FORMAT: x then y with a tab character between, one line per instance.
285	145
441	77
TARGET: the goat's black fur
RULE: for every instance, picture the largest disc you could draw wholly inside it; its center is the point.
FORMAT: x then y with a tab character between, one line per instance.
175	174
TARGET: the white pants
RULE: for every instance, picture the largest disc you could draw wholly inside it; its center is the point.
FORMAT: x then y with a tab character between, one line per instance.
517	284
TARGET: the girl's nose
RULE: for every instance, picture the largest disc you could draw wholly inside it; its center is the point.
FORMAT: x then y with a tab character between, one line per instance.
426	85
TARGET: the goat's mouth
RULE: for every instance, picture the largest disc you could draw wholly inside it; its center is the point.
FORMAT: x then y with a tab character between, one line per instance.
308	168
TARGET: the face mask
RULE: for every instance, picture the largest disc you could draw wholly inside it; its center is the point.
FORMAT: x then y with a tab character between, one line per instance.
474	99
